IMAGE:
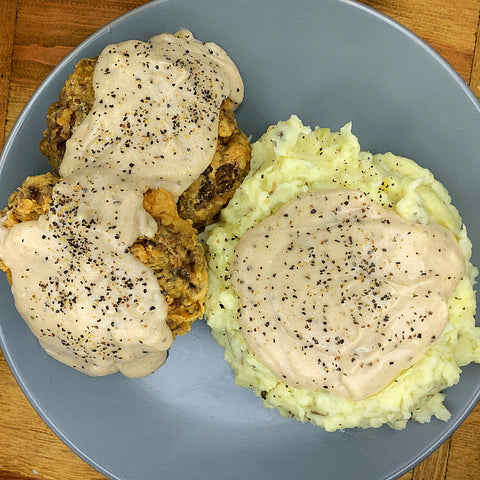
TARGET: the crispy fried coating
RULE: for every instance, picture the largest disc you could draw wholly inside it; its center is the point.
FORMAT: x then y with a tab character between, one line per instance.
174	254
74	103
215	187
30	201
202	202
176	258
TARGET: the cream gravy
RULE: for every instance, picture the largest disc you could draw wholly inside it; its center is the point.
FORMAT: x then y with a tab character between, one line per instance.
341	294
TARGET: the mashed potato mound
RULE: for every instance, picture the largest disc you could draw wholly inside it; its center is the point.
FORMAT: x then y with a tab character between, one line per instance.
291	159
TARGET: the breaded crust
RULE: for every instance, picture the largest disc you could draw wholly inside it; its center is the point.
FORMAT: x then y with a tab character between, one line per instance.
174	254
30	201
74	103
176	258
215	187
200	203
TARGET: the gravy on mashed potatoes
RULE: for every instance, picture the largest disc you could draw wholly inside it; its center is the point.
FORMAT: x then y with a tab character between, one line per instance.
339	293
340	282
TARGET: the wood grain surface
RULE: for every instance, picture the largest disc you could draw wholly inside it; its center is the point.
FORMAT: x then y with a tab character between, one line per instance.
34	36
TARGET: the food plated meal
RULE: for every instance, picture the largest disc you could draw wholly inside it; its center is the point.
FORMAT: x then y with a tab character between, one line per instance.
102	267
330	307
194	387
340	283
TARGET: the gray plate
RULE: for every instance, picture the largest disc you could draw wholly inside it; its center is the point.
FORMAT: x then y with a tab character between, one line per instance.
329	62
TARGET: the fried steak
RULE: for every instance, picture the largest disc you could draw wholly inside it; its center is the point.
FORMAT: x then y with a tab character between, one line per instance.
174	253
204	199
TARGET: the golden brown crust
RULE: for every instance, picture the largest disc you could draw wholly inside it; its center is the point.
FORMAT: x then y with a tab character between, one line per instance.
174	253
30	200
74	103
202	202
177	259
215	187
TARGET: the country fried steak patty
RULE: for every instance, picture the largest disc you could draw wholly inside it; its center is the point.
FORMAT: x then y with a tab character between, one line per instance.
204	199
174	253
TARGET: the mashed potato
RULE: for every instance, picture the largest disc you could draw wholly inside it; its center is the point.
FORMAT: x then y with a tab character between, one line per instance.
289	160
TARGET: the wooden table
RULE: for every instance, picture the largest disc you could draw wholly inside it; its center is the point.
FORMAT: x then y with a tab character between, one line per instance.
34	36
